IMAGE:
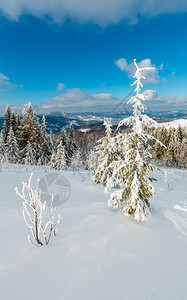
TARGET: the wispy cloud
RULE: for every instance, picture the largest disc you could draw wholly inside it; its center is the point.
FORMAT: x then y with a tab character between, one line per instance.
77	98
5	83
60	86
151	76
100	12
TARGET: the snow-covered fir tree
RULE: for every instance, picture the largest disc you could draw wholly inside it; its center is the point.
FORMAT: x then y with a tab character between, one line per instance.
72	145
29	155
52	142
131	172
76	161
65	141
53	163
7	122
159	149
86	145
12	149
92	161
106	155
60	157
2	146
183	153
44	148
29	130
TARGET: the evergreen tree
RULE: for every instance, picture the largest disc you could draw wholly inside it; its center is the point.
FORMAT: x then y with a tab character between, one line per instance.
106	155
60	157
13	122
53	162
163	137
71	145
29	131
45	148
12	149
171	150
2	146
92	160
7	122
183	153
76	161
36	137
131	171
17	124
29	155
65	142
52	142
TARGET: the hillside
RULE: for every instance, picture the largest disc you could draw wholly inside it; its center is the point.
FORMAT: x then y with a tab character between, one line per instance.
174	123
98	252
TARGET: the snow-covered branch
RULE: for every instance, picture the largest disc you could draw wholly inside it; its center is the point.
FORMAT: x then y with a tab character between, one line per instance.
34	213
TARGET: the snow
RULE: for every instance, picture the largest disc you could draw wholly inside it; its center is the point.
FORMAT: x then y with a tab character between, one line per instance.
175	123
98	252
84	129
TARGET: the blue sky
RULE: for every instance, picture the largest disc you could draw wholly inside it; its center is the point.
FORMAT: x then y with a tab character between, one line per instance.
76	63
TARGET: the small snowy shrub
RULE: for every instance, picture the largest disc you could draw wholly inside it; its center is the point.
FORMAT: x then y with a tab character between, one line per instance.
34	213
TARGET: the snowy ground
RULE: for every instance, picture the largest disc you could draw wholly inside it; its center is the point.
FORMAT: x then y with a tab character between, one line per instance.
98	253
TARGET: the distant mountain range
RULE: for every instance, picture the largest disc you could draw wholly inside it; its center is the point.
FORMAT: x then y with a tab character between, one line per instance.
90	121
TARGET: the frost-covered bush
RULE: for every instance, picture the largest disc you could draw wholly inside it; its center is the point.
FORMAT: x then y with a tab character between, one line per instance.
41	223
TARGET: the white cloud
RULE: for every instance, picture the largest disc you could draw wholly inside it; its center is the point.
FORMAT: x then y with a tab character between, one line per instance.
77	98
151	76
151	95
161	67
5	83
100	12
60	86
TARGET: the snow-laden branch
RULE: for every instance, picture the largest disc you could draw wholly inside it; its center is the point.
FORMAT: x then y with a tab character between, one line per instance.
34	213
126	122
138	75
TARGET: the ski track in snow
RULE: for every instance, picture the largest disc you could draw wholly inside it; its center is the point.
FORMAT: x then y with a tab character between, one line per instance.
179	221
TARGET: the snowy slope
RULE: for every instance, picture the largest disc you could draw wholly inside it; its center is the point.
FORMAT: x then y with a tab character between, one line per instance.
175	123
98	253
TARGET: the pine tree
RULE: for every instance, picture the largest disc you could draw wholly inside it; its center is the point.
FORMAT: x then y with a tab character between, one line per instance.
131	171
171	150
92	160
29	131
45	148
162	136
65	142
183	153
53	162
13	122
106	155
12	149
17	124
52	142
29	155
71	145
76	161
25	128
7	122
36	137
60	157
2	146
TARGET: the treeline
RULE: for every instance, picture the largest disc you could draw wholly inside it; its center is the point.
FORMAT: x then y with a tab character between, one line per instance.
24	140
175	140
